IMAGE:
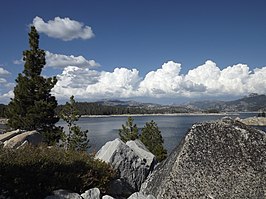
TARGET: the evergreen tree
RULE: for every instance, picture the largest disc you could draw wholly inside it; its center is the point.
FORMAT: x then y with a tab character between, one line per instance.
129	131
32	107
75	139
151	137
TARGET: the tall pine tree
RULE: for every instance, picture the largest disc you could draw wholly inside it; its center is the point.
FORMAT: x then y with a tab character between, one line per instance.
33	106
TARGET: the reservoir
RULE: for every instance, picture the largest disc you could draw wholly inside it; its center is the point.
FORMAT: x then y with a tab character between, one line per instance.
173	127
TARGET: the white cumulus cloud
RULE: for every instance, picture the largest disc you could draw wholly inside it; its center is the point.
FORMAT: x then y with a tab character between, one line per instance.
63	28
5	97
86	83
166	82
3	72
232	80
205	75
6	88
121	82
257	81
74	81
61	61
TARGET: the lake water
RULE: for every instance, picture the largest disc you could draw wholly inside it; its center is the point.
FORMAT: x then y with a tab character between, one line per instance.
173	127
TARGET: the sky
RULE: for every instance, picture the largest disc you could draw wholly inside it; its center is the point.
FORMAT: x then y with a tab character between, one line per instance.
160	51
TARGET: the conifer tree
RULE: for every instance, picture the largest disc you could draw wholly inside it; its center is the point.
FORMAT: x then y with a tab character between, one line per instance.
151	137
75	138
129	131
33	106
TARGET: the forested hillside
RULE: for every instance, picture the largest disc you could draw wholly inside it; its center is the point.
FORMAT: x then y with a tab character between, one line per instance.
253	102
95	108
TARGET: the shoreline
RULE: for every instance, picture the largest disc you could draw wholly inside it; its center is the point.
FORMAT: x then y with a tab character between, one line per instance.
162	114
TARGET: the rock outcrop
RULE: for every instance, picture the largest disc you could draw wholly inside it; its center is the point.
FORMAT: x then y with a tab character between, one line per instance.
19	140
254	121
132	161
8	135
220	159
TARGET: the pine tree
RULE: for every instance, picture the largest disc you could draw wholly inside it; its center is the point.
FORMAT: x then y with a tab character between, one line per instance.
129	131
151	137
33	107
75	139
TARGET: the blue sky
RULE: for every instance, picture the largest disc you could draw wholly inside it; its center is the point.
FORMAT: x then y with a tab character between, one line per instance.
164	51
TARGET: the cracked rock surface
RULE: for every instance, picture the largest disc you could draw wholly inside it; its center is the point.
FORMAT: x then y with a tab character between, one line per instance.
219	159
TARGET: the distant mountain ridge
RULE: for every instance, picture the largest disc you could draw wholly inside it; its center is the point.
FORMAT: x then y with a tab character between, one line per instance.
252	102
130	103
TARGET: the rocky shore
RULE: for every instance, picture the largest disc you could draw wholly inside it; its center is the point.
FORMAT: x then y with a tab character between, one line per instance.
254	121
217	159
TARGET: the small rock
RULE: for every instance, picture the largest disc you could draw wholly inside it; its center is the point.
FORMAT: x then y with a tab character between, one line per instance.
93	193
107	197
139	195
64	194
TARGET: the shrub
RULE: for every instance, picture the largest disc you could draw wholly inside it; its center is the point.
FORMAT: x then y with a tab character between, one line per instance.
35	172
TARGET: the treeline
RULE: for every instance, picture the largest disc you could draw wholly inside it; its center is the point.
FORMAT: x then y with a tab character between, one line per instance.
94	108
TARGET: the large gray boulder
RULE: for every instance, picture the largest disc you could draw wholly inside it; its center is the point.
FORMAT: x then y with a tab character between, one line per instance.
220	159
132	161
29	137
140	149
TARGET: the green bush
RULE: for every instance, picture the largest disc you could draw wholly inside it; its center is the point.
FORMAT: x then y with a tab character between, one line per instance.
35	172
152	138
129	131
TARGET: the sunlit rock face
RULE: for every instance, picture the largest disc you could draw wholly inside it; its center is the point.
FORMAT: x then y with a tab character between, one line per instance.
220	159
132	161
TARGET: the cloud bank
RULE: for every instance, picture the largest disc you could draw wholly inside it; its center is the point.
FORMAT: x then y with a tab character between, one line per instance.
206	80
63	28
